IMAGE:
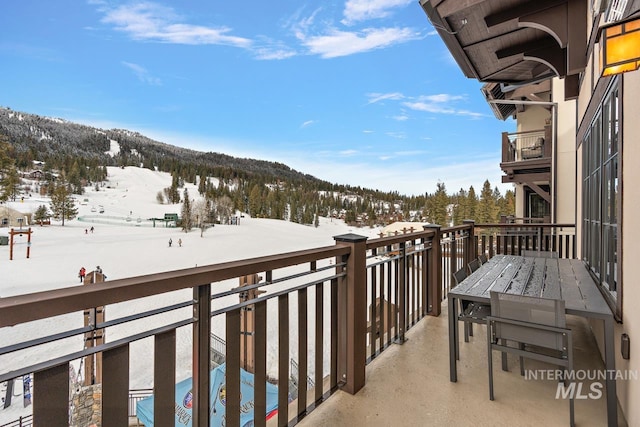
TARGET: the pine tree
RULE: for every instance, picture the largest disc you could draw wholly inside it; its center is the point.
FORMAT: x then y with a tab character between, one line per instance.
461	210
41	214
472	204
487	205
438	206
62	204
10	184
7	169
187	221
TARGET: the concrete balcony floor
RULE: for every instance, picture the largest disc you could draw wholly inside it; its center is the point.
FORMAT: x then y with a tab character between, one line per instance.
408	385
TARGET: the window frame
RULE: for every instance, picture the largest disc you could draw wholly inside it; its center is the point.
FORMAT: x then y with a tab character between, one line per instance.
602	196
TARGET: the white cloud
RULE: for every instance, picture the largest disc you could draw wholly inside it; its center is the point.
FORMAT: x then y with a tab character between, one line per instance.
307	123
360	10
442	103
336	43
348	153
433	107
267	53
397	135
442	97
377	97
142	74
154	22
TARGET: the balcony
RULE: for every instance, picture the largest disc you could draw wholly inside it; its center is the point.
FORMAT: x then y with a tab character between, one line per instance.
358	322
526	156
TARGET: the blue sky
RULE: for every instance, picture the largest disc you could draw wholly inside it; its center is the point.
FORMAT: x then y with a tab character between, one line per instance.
359	92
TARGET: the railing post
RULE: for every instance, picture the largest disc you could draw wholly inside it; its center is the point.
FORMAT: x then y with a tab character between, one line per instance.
434	285
402	293
472	249
453	254
508	154
352	315
201	354
540	247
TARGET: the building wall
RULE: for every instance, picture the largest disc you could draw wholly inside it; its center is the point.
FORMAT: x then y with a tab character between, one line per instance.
630	390
564	164
533	118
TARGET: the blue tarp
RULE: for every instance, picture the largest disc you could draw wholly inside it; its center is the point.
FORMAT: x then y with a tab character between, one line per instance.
184	402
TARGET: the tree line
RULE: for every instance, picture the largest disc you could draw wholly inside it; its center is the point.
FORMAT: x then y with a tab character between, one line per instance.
76	156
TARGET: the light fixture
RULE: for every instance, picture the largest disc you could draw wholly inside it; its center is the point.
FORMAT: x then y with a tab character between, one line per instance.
620	47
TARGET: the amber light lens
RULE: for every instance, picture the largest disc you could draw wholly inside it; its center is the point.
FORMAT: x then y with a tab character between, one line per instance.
622	48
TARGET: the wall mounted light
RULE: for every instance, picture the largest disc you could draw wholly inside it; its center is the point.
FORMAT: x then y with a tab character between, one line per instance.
620	47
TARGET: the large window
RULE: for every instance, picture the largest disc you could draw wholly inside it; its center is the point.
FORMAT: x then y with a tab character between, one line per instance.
600	195
536	206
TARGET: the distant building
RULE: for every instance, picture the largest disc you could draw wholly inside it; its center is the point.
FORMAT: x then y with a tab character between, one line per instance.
402	227
12	218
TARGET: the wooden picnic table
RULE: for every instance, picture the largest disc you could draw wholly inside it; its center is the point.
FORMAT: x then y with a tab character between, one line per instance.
566	279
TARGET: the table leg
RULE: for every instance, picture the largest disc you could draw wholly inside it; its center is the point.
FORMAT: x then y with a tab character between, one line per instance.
453	338
610	366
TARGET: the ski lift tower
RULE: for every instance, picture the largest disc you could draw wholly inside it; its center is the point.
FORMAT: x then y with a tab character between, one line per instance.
247	322
95	337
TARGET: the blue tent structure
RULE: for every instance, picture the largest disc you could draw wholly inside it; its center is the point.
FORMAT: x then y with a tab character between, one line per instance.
183	406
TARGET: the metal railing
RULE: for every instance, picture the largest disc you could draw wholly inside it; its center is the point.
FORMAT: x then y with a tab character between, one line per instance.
512	239
26	421
317	302
135	396
519	146
332	310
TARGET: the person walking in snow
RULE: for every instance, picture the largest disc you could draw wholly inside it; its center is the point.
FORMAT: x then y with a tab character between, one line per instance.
180	242
82	273
170	241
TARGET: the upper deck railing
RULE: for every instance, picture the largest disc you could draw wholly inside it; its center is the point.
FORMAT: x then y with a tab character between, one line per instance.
327	311
528	145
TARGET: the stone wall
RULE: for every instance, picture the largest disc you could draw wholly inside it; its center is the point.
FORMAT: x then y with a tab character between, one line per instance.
87	407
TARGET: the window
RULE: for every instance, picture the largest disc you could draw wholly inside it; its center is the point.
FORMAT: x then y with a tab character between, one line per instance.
536	206
601	196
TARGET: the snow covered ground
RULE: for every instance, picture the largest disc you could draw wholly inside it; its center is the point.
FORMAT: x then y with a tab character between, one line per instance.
126	248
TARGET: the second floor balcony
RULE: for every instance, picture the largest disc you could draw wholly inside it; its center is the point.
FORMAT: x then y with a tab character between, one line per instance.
526	156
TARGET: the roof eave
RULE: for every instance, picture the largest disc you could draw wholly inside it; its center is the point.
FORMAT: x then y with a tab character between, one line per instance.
450	40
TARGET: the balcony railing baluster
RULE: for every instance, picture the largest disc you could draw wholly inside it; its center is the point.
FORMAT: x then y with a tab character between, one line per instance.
395	281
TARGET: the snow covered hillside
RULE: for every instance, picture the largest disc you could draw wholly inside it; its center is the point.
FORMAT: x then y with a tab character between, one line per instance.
125	248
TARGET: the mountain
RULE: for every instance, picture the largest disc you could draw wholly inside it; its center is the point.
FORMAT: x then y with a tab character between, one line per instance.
46	137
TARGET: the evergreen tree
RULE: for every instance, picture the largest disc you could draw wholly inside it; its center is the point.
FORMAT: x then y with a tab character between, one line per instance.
255	201
62	204
6	168
509	206
461	210
41	214
172	194
202	185
487	207
472	204
187	221
10	184
438	206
